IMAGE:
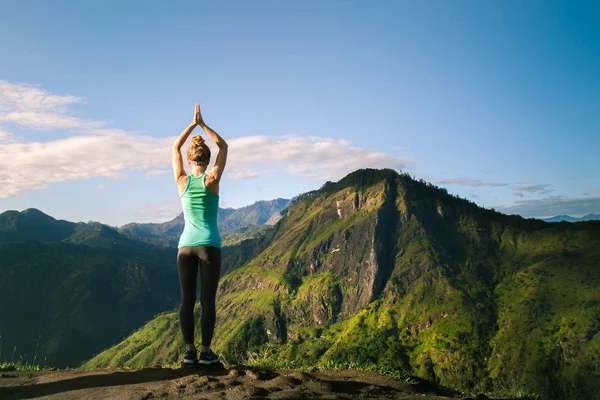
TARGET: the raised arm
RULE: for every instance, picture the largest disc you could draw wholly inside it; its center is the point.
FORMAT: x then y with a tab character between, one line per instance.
217	170
178	170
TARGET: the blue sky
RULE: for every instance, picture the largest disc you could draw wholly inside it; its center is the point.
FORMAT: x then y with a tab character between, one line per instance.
499	102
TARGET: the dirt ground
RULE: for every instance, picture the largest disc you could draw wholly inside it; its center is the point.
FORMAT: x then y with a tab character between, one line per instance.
202	382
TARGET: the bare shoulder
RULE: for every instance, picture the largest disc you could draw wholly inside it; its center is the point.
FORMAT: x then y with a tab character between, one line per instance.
182	183
211	182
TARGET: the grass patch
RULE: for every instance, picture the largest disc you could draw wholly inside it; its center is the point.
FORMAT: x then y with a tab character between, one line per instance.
22	366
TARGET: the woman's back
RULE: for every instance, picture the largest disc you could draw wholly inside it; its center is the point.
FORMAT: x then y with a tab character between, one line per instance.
200	210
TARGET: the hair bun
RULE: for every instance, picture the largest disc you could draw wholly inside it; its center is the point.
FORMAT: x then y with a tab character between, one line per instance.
199	151
197	140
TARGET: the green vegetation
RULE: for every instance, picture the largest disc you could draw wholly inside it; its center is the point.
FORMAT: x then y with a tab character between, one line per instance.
146	346
269	359
79	297
20	366
245	233
383	272
70	290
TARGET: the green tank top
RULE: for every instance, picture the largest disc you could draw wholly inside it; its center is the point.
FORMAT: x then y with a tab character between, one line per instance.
200	209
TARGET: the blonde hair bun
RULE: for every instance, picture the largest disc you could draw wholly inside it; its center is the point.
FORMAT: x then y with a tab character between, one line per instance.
199	152
197	140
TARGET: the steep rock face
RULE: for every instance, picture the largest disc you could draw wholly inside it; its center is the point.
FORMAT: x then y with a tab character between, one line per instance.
345	235
318	302
386	238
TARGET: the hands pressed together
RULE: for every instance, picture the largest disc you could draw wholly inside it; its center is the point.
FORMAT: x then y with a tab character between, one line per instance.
197	116
219	166
199	121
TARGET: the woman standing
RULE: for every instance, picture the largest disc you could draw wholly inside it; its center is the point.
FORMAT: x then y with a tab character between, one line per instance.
200	242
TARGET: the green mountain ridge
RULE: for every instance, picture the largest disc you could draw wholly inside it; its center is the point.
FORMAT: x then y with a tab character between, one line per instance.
76	288
381	268
32	224
237	236
79	298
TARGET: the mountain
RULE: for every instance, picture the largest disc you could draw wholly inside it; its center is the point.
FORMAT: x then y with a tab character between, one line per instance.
77	298
568	218
80	287
591	217
229	220
32	224
247	232
379	268
259	213
164	234
560	218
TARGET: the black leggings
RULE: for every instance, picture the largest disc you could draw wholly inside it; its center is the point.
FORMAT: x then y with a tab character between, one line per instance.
188	259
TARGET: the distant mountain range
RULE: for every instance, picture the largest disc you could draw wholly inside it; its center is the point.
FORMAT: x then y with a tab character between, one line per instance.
80	287
568	218
266	212
75	287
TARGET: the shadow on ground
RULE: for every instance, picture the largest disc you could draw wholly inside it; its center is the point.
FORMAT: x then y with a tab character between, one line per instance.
107	379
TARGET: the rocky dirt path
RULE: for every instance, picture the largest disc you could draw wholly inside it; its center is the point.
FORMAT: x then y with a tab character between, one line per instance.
213	382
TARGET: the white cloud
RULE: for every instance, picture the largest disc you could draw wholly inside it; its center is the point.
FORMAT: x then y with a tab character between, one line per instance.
5	136
552	206
159	212
41	120
156	172
240	173
311	157
100	151
100	186
466	182
34	165
533	188
24	95
538	188
30	106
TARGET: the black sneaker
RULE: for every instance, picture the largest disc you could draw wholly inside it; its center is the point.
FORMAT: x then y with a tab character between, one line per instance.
190	357
208	358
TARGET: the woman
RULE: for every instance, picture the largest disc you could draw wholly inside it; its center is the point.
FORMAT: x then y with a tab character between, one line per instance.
200	242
